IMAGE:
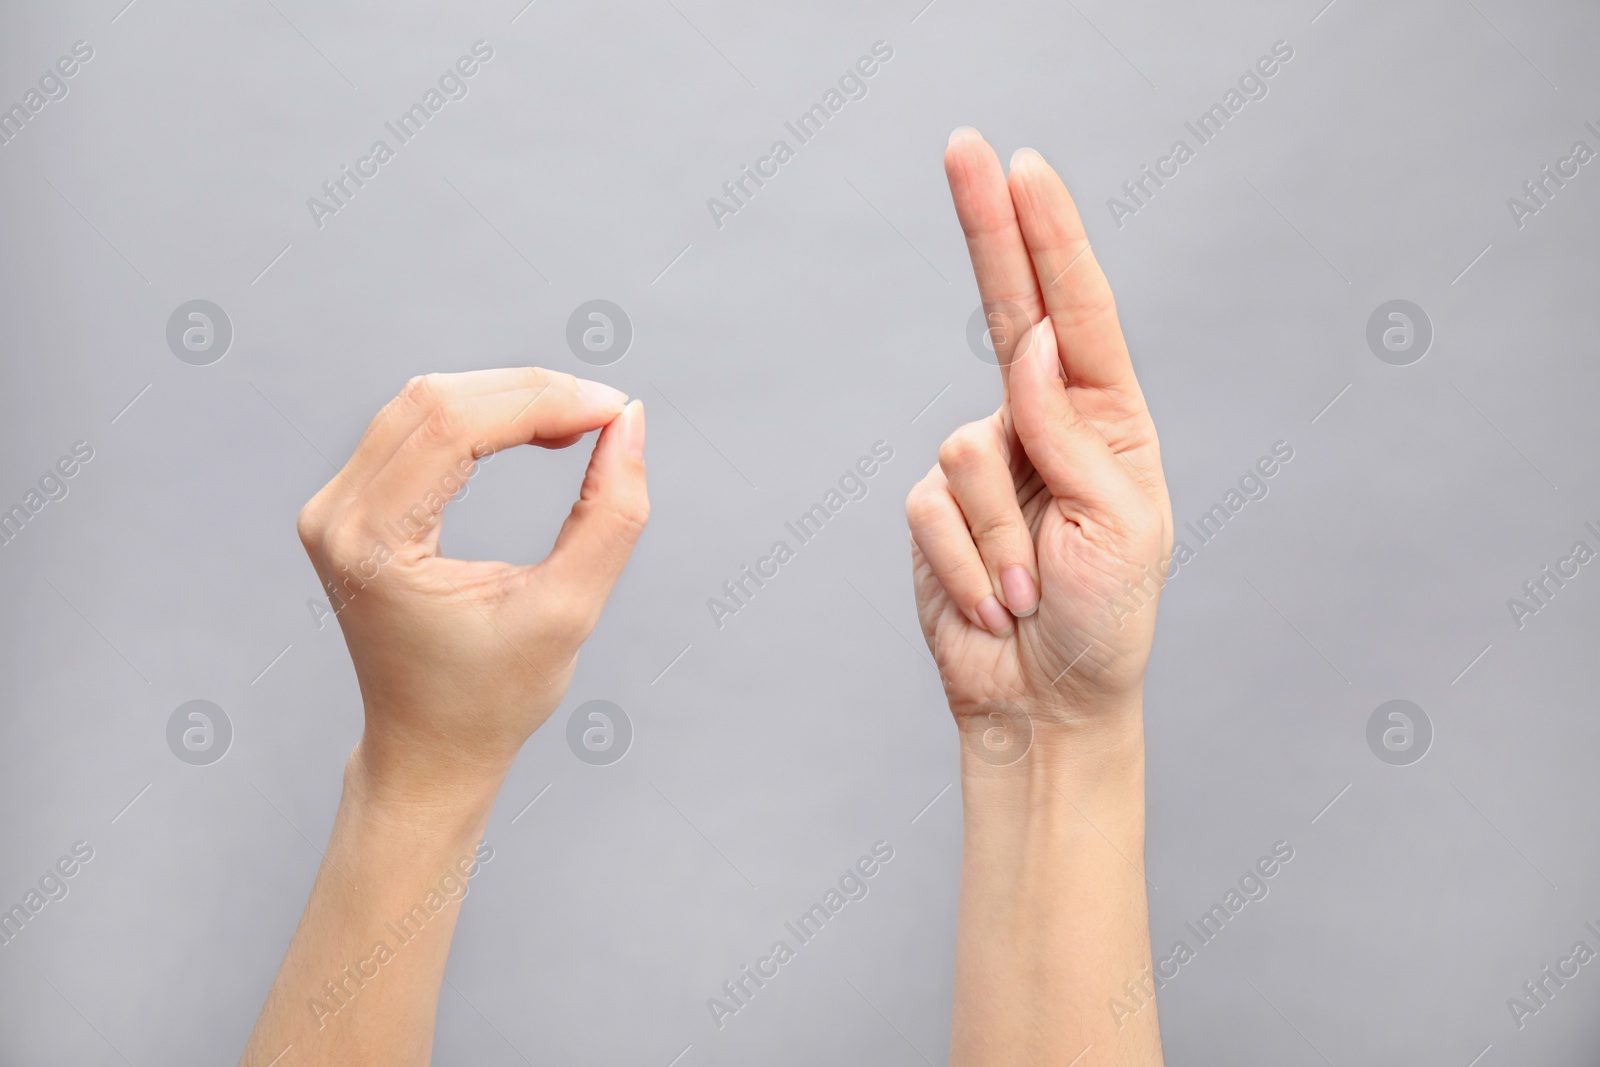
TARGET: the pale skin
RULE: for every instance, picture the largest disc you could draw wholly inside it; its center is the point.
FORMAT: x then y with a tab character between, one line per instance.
459	662
1038	548
1022	539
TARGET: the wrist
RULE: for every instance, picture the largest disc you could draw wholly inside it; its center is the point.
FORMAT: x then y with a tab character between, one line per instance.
452	803
1004	740
1034	781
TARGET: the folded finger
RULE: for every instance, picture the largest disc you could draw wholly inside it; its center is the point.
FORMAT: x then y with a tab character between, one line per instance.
977	469
941	533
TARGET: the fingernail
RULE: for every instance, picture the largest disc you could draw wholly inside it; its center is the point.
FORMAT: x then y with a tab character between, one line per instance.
1023	155
995	617
962	131
1022	595
601	395
633	429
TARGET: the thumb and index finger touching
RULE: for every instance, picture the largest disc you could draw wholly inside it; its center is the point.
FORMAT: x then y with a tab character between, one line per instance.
421	449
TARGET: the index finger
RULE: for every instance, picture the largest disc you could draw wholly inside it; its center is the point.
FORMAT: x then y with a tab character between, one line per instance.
423	395
432	464
1000	260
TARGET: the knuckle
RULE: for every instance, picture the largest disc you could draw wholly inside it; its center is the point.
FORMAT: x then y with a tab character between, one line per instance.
422	391
639	513
1077	258
308	524
446	422
1096	305
967	446
631	515
996	531
969	583
339	543
922	508
548	384
544	382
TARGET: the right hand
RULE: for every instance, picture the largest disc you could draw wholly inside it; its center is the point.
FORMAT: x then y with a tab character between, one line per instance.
1040	540
459	661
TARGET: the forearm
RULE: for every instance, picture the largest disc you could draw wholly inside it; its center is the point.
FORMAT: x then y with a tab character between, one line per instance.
1053	915
360	981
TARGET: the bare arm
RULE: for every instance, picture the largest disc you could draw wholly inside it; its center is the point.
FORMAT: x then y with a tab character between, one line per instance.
1053	919
360	981
1040	544
459	662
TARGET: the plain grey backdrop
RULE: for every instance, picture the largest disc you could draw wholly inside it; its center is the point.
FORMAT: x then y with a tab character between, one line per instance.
827	314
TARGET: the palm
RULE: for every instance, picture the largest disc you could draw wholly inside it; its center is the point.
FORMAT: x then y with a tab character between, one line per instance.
1073	645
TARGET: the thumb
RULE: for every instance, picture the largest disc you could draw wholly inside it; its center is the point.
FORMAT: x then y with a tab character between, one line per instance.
1064	447
605	523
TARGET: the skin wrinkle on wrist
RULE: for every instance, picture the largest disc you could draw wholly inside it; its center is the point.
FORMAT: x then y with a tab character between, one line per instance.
449	809
1086	749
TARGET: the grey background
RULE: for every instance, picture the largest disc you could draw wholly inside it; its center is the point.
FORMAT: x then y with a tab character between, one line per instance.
827	315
